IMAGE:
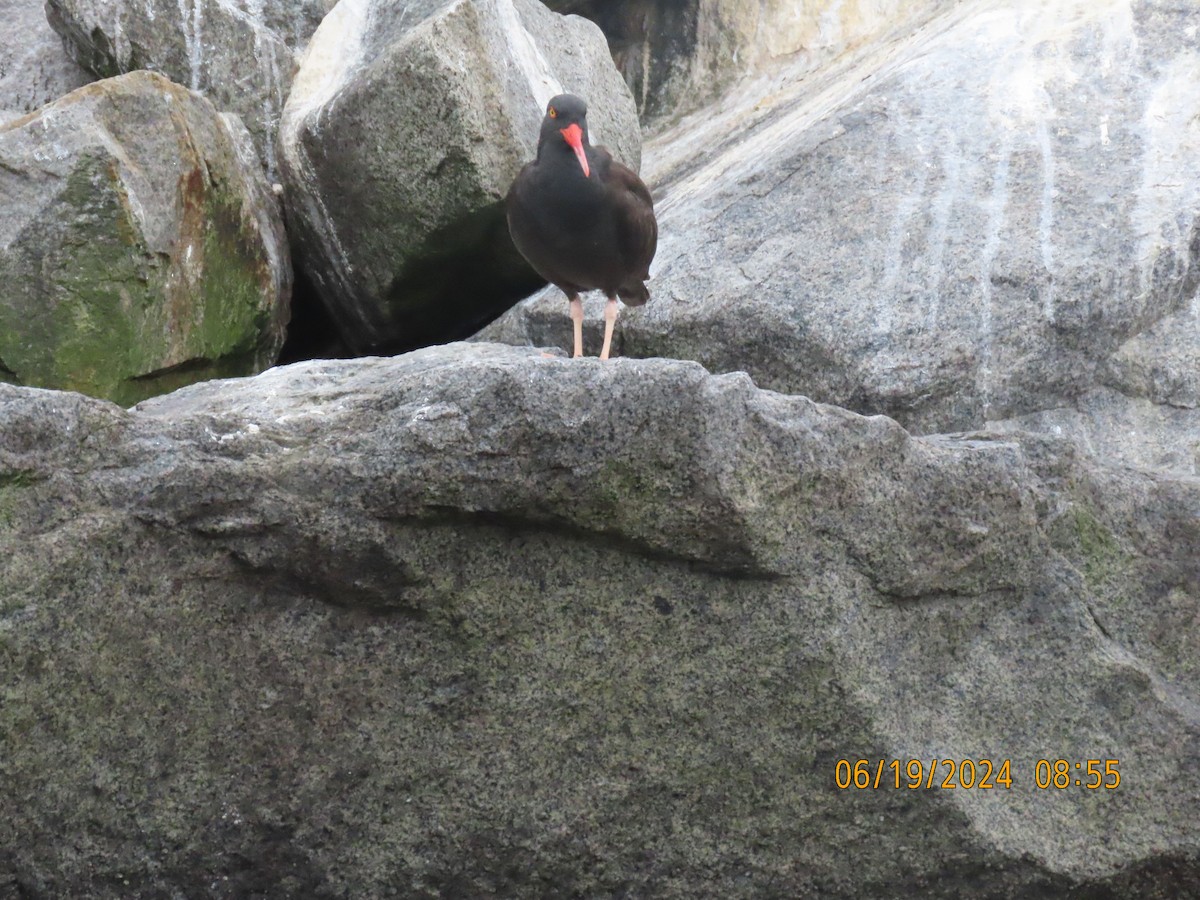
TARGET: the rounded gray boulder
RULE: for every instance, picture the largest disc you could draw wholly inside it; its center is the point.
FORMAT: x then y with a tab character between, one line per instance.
140	246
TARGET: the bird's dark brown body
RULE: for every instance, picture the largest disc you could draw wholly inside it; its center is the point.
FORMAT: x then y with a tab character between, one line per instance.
583	220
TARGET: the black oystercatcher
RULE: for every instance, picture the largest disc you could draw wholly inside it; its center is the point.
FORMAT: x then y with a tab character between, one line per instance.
584	221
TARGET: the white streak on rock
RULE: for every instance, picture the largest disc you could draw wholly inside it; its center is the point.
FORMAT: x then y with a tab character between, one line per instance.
525	53
1120	38
943	205
248	160
1018	98
197	43
334	53
645	74
1168	202
830	33
191	22
799	106
996	208
120	42
1046	220
906	208
265	54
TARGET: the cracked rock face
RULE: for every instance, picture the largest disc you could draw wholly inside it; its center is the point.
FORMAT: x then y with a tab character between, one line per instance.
992	219
405	127
238	53
528	626
140	246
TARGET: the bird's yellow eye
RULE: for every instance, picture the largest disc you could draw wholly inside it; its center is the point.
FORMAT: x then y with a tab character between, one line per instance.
552	112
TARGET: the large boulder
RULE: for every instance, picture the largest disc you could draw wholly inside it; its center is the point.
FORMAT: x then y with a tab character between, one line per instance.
241	54
404	129
141	247
34	67
677	55
987	224
473	622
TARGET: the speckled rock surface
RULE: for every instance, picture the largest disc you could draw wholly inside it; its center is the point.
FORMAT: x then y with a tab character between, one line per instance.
1146	410
405	128
140	246
993	218
34	67
474	622
678	55
238	53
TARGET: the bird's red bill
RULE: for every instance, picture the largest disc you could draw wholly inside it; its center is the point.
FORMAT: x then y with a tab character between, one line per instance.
573	135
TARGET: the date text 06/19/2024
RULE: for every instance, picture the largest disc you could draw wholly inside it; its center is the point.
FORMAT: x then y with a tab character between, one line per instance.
978	774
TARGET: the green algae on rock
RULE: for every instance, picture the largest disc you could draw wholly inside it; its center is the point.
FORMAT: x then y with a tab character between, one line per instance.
143	249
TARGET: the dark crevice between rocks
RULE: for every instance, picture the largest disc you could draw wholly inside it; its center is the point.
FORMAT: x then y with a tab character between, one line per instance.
650	41
1167	877
197	364
137	388
467	276
739	567
7	375
312	332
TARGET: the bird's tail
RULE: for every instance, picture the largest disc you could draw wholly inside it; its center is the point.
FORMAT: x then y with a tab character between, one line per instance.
634	294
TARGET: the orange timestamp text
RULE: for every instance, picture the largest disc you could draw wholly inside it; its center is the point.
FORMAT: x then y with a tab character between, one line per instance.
980	774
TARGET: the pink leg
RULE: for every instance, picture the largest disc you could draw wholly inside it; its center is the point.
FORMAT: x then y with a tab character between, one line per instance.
610	319
577	318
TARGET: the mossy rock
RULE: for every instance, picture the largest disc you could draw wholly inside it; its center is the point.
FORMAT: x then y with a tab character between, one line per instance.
152	257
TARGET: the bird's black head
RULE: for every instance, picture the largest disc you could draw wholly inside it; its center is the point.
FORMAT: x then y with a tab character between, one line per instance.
565	127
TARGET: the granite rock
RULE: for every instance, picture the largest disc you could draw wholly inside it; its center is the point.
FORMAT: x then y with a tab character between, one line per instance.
140	246
679	55
477	622
34	66
991	219
406	125
241	54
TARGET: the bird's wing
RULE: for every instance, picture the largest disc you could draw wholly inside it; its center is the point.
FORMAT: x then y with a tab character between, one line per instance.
636	225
